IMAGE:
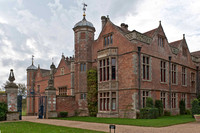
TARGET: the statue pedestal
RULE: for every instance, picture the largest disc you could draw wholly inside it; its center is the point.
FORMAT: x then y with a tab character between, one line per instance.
51	103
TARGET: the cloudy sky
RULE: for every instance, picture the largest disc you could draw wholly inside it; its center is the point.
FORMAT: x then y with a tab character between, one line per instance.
43	28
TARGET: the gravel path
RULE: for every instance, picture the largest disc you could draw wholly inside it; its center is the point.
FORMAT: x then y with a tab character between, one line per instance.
193	127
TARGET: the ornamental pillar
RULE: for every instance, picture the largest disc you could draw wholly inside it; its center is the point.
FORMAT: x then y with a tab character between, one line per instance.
11	91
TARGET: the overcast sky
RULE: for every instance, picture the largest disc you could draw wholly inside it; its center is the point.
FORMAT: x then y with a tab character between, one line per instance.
43	28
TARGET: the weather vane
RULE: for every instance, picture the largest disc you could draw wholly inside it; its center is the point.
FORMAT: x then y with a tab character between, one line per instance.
84	9
32	59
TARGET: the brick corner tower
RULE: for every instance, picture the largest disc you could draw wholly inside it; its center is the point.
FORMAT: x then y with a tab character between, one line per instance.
83	39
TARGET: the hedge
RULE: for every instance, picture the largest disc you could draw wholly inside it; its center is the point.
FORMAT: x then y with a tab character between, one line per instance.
63	114
159	105
149	113
182	107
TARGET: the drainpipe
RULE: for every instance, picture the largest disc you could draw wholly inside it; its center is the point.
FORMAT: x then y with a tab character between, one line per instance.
139	77
197	82
170	89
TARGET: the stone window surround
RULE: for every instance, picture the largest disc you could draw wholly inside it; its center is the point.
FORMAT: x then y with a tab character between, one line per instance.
108	39
162	62
193	80
110	69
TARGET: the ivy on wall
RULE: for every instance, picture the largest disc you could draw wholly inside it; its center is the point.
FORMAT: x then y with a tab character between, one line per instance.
92	98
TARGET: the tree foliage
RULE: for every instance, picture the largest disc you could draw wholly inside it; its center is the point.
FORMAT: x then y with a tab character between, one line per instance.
92	98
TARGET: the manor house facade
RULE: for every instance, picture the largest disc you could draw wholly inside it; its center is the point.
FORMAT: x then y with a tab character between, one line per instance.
131	67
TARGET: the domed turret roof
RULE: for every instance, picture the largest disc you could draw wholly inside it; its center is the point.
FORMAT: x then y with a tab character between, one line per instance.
32	67
83	22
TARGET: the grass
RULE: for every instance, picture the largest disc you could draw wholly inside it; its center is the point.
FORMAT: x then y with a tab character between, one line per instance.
29	127
160	122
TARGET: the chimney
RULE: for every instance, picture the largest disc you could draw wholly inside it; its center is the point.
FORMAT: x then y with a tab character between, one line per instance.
103	21
124	26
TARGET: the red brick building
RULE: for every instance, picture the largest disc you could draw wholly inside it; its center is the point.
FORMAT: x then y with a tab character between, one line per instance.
131	67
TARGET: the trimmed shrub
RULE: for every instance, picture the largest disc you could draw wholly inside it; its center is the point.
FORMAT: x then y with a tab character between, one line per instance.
167	113
159	106
182	107
63	114
149	102
3	111
149	113
195	107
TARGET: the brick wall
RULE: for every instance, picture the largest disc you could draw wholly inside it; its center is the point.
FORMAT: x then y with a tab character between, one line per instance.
66	104
3	97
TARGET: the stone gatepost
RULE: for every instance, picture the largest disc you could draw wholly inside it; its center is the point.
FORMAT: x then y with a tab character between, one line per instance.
50	92
11	91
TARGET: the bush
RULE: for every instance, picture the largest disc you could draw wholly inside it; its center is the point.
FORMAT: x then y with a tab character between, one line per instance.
3	111
182	107
188	112
63	114
159	106
149	102
149	113
195	107
167	113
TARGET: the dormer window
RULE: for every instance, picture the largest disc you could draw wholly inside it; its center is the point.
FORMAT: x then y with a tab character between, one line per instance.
160	41
108	40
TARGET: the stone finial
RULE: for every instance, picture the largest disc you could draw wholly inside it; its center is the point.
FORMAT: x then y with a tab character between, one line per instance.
183	36
160	22
11	77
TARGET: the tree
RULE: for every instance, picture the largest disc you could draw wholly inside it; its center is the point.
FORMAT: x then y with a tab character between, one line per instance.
92	98
22	90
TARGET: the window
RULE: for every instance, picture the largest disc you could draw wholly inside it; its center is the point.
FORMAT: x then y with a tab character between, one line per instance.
160	41
113	101
184	76
62	71
83	96
108	40
173	100
104	69
145	94
145	68
63	91
193	80
38	88
104	101
83	67
163	99
113	68
174	74
163	71
183	97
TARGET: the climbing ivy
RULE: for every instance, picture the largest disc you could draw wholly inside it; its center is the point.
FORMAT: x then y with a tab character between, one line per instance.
92	98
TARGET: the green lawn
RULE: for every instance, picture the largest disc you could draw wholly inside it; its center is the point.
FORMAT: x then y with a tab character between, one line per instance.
29	127
160	122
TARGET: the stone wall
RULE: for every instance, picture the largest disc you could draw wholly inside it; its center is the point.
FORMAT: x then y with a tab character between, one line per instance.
3	97
66	104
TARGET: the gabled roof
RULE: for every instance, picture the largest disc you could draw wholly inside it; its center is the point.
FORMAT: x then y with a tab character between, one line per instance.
176	44
196	53
123	31
151	32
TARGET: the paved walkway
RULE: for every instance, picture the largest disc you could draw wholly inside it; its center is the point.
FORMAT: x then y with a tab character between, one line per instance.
193	127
